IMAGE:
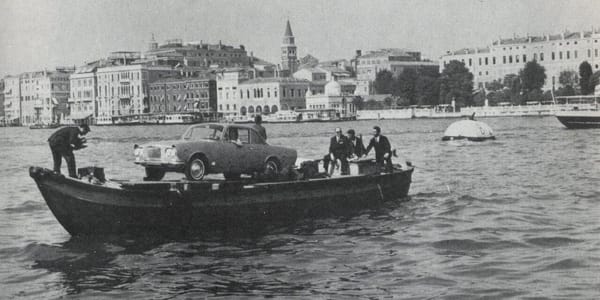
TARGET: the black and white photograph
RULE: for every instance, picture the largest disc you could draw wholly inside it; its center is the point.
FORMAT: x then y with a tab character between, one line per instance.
309	149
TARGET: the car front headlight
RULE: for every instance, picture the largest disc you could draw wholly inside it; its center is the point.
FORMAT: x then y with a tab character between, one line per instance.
171	153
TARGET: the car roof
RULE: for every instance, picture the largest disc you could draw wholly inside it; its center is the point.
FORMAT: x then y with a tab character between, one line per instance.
245	126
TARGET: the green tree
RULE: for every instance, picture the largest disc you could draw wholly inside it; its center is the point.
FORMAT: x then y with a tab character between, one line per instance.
384	81
456	83
533	77
585	74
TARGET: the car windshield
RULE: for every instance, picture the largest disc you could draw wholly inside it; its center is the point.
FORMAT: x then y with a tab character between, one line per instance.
205	132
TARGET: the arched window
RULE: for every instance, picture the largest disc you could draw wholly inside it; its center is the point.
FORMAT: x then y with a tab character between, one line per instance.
266	109
250	109
274	109
258	109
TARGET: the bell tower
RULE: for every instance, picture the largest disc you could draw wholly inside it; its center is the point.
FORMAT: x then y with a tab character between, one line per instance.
289	57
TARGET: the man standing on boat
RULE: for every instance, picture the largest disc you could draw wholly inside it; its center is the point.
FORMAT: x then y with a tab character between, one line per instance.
339	147
357	148
383	149
257	125
63	142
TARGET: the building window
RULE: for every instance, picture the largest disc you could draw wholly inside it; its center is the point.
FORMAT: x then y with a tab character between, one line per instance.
480	61
503	59
470	62
510	59
553	56
486	61
596	52
542	56
575	54
568	54
524	58
589	52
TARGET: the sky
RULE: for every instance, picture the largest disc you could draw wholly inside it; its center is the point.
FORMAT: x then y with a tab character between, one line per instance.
38	34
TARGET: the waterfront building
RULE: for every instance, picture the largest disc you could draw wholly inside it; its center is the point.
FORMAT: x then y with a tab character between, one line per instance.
184	94
83	93
332	98
12	99
37	97
289	55
240	93
263	68
175	52
556	53
393	60
319	76
123	89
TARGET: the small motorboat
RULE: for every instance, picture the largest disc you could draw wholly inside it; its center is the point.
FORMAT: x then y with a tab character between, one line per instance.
579	119
470	130
104	207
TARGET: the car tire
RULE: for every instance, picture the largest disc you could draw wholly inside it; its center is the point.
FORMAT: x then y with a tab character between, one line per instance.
196	168
272	168
232	176
154	174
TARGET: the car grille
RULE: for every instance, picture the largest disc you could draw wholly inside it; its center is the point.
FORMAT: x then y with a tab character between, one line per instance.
152	152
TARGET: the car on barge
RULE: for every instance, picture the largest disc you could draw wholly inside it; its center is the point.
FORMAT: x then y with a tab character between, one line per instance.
230	149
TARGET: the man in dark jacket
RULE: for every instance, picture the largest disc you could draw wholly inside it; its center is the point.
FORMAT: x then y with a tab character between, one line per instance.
357	148
339	147
258	126
383	149
63	142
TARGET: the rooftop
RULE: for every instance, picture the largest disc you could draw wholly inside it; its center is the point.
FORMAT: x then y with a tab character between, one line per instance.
390	52
275	79
516	40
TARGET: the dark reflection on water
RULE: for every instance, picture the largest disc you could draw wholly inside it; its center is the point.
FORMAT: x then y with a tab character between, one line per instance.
513	218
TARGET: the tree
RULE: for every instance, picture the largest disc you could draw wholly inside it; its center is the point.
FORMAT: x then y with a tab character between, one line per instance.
358	102
389	101
405	85
384	80
585	74
533	77
568	80
512	89
495	85
456	83
373	104
427	89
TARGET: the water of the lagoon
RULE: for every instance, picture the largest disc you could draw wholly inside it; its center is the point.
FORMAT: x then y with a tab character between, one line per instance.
518	217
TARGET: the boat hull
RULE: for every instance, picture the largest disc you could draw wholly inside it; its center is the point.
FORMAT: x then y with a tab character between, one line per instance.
580	120
184	207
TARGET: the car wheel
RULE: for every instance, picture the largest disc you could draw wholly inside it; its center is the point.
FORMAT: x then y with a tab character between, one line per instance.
231	176
195	169
154	174
271	170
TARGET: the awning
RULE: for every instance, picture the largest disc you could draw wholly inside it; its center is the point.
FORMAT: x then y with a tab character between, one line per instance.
80	116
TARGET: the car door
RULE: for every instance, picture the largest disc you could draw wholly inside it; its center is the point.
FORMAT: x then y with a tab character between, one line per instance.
236	150
259	150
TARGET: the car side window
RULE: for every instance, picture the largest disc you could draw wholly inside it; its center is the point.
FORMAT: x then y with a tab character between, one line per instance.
244	136
255	138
